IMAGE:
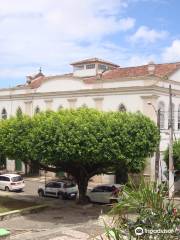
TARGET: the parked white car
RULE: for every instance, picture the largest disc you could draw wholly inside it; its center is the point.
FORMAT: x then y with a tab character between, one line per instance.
176	180
60	189
107	193
11	182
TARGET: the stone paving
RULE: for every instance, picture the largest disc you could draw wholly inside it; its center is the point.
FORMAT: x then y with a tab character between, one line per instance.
63	220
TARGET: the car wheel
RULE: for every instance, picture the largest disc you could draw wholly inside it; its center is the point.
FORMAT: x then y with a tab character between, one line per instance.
41	193
7	189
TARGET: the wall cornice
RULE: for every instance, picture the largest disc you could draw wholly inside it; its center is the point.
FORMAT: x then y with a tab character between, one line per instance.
93	92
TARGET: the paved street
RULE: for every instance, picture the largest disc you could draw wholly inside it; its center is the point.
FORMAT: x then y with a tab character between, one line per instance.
61	221
64	220
30	190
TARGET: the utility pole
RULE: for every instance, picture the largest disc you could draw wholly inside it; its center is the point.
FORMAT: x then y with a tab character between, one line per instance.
171	165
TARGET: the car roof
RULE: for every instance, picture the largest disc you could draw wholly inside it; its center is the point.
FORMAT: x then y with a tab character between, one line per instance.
59	181
10	175
109	185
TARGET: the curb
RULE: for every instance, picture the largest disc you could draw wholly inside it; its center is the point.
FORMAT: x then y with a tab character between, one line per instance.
15	213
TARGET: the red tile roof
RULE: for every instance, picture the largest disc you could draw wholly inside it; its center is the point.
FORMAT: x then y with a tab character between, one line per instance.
35	83
160	70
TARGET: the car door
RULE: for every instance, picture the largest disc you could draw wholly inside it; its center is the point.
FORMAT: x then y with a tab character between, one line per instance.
7	182
49	191
95	194
56	188
106	194
1	182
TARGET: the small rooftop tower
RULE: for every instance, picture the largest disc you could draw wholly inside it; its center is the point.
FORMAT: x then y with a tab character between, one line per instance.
91	67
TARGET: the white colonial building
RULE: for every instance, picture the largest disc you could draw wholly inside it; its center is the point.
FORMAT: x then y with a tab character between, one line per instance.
103	85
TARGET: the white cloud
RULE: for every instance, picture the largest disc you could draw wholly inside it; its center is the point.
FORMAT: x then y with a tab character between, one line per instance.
147	35
52	33
137	60
172	53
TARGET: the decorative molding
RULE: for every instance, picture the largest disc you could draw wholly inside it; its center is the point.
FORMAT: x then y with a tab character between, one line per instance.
48	100
72	99
150	96
28	102
98	102
154	90
98	99
72	102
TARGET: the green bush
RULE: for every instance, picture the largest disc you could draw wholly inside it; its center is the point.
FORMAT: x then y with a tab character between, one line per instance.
144	206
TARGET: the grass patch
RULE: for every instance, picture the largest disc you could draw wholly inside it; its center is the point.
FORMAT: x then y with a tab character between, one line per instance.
9	204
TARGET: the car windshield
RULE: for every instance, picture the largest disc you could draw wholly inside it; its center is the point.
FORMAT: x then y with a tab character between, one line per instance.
17	179
69	185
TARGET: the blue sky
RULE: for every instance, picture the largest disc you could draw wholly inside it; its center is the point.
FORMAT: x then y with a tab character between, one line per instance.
53	33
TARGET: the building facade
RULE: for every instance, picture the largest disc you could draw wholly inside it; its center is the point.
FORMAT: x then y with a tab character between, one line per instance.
105	86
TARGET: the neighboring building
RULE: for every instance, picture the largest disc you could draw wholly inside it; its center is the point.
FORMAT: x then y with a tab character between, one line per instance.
104	86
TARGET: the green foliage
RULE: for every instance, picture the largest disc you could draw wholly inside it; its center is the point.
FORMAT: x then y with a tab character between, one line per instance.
15	140
19	112
144	206
176	155
82	142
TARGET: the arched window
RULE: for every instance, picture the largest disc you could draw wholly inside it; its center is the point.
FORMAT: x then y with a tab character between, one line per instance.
84	105
19	112
179	117
60	107
161	107
37	110
122	108
173	107
4	114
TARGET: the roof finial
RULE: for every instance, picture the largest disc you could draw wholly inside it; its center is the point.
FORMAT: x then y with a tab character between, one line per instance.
40	70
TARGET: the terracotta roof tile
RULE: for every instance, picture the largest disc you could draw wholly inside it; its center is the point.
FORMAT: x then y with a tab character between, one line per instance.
36	82
160	70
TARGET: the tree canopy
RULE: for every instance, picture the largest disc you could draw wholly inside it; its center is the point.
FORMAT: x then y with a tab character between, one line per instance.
83	142
15	141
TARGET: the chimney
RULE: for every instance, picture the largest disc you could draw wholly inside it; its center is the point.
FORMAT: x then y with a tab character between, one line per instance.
151	68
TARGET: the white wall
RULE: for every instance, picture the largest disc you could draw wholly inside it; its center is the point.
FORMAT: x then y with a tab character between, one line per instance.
175	76
59	84
85	73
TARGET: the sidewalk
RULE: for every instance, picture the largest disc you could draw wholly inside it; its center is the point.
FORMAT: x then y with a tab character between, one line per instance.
39	179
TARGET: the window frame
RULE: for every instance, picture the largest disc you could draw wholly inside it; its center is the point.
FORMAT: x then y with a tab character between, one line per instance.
4	114
90	66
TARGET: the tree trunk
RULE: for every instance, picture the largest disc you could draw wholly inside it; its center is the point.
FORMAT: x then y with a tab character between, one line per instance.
26	168
82	186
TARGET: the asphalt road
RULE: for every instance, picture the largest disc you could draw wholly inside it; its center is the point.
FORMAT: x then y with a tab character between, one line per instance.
30	191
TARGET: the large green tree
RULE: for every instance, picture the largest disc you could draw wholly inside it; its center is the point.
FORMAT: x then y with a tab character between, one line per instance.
82	142
86	142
